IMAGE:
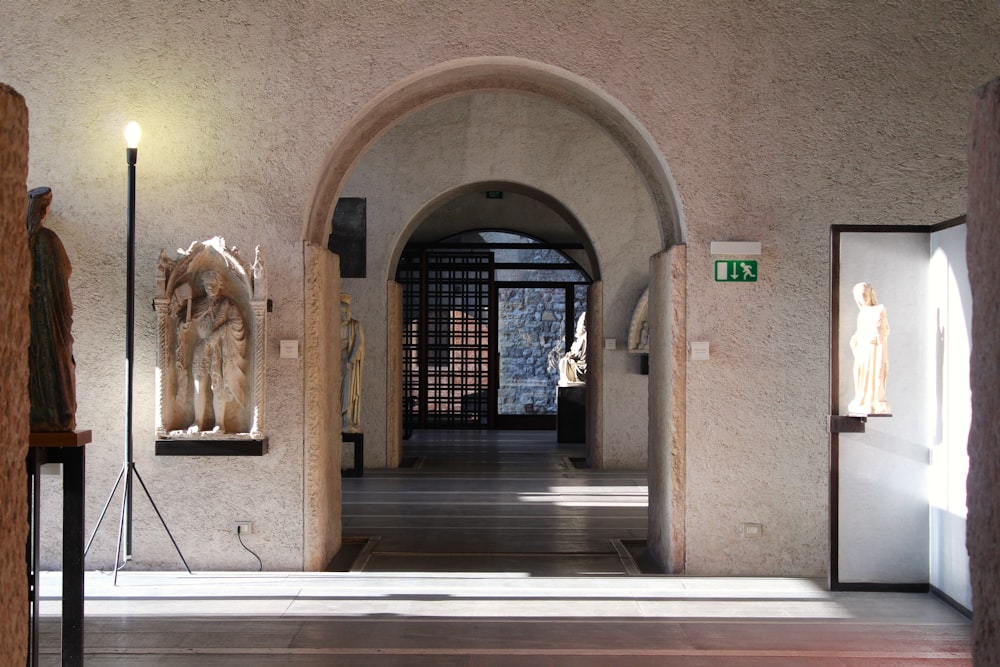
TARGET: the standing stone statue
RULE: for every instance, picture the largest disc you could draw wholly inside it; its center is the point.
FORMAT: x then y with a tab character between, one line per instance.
352	355
573	365
52	369
871	354
219	362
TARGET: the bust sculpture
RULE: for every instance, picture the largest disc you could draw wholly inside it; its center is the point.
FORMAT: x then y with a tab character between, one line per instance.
352	356
52	369
871	354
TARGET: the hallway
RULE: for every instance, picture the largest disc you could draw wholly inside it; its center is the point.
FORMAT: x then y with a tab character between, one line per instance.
500	553
496	502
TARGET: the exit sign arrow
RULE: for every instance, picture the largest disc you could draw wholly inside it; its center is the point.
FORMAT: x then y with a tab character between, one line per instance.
735	271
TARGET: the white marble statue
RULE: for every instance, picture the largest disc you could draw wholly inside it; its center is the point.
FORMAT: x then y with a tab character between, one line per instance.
211	342
871	354
573	365
352	356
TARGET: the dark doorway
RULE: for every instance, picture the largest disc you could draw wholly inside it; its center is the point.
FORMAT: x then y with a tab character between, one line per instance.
487	315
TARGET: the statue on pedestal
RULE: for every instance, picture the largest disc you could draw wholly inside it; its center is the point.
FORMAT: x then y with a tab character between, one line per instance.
352	355
871	354
52	369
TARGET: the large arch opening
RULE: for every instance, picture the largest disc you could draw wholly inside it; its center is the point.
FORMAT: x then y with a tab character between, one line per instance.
460	77
432	88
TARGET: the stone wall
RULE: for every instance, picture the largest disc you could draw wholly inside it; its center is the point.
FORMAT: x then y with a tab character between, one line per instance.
530	346
14	379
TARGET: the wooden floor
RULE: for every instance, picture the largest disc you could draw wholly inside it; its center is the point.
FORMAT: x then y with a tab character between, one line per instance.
496	501
498	550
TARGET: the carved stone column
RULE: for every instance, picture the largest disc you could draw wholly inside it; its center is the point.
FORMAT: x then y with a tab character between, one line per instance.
14	379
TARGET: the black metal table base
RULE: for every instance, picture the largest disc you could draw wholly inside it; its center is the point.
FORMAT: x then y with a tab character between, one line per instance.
67	449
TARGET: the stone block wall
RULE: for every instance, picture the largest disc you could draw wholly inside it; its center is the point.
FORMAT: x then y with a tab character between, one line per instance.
536	330
531	342
14	379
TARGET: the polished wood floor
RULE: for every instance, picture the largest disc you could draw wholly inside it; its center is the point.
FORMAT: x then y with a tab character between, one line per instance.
498	549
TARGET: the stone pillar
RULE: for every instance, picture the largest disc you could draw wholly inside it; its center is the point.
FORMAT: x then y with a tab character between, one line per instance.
259	307
14	277
394	375
983	249
595	375
667	363
321	366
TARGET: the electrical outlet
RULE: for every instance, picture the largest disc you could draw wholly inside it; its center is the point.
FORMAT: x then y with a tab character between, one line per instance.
752	529
243	527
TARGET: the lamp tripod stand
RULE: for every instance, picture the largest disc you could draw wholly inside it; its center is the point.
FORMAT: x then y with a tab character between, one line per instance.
132	134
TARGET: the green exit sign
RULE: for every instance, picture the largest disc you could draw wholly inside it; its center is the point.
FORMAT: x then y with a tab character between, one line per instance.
494	194
735	271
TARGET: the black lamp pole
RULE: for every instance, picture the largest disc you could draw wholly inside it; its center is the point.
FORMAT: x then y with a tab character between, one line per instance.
131	154
128	467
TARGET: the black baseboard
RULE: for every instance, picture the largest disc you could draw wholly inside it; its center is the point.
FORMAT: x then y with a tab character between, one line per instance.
865	587
951	602
208	447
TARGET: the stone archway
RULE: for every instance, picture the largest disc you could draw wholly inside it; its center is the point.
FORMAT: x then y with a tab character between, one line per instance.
395	308
425	88
460	77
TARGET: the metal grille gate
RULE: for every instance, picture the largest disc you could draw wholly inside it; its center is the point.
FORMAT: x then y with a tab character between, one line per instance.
448	374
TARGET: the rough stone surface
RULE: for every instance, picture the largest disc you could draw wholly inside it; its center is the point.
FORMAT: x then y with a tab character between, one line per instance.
14	379
984	434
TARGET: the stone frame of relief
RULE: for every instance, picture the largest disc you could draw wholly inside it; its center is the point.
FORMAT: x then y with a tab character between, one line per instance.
211	309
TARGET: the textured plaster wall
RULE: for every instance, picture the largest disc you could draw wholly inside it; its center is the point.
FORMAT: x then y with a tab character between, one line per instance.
508	137
776	118
14	360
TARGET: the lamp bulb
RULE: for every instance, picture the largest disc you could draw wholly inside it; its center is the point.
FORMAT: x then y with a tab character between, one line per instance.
132	134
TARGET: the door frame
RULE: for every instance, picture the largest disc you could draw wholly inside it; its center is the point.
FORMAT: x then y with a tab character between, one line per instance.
839	422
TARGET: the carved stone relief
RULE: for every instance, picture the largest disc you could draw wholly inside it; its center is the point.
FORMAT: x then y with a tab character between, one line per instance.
210	306
638	330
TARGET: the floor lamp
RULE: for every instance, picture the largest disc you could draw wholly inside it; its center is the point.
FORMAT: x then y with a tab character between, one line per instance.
132	135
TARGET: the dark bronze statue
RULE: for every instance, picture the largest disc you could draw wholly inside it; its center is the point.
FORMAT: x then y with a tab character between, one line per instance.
52	379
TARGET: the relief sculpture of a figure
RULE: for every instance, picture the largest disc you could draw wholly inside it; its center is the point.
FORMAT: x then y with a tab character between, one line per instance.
871	354
207	340
219	361
52	369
